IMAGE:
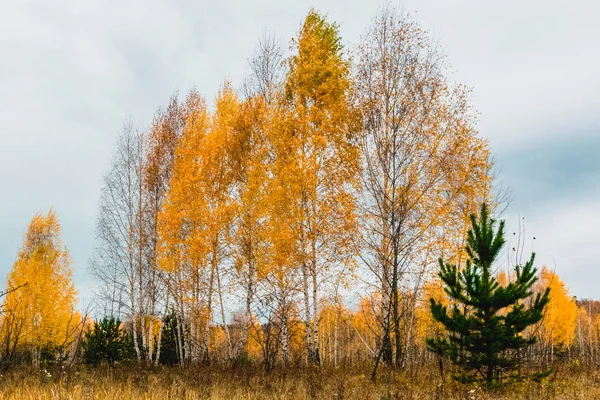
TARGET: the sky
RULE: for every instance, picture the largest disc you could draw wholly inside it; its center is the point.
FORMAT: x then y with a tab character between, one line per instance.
72	71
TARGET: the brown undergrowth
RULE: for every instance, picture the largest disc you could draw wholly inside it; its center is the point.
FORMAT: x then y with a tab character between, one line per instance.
129	382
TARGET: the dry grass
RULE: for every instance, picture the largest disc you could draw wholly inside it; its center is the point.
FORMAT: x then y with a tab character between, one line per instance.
203	383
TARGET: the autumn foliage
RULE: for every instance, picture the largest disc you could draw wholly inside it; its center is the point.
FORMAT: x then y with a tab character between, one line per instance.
294	220
39	309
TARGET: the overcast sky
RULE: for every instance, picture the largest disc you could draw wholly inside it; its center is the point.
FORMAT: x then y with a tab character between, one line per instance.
72	71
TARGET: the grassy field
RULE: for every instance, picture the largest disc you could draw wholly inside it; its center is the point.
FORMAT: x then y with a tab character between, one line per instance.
129	383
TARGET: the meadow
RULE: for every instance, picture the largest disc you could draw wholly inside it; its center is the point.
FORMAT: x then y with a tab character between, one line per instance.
130	382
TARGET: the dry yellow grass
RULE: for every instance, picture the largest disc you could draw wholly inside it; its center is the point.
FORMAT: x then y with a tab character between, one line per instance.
203	383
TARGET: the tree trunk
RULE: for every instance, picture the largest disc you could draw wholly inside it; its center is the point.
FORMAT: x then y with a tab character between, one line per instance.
315	324
206	356
223	319
284	331
160	331
249	297
307	317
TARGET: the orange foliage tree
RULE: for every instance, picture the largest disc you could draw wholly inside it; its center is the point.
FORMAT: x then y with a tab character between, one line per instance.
560	316
39	310
321	161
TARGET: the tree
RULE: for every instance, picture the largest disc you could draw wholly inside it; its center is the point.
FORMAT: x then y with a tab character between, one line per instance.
183	238
424	168
169	342
195	222
486	320
106	341
162	142
321	161
119	260
560	315
133	192
250	155
425	325
41	314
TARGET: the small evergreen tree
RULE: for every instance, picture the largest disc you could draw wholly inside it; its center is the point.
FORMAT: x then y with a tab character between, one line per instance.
168	343
486	320
107	342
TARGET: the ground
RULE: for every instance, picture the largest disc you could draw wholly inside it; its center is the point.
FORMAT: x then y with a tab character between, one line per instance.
129	382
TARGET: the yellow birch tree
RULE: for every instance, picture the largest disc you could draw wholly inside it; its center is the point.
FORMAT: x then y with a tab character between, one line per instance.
322	168
39	310
560	315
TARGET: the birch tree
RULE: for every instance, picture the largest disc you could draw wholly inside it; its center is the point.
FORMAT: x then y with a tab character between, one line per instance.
119	258
424	167
39	308
322	157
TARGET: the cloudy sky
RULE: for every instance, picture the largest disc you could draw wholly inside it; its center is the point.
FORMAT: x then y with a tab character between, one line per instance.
72	71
